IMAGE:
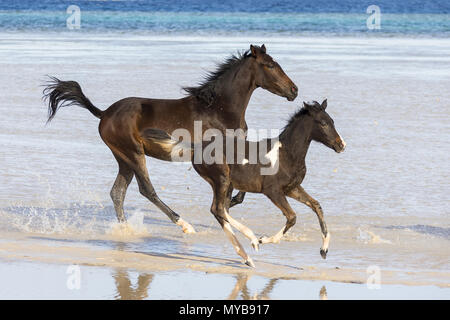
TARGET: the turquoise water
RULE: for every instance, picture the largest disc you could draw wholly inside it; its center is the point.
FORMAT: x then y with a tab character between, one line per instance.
241	17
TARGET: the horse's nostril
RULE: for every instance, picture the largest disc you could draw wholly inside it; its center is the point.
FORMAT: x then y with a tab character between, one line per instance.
294	89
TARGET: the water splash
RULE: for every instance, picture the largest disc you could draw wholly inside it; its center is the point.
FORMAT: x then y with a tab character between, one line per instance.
133	228
368	237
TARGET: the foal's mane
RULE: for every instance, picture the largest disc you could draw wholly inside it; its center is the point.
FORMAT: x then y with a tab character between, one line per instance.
300	113
205	91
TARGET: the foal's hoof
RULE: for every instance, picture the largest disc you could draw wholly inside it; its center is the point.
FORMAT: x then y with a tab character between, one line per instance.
255	244
250	263
323	253
263	239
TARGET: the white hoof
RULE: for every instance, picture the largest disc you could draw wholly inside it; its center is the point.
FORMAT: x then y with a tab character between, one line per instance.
186	227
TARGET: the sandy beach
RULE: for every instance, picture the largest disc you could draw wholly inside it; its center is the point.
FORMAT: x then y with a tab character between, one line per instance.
385	199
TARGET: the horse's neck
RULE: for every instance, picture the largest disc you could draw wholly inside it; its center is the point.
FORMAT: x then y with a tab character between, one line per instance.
296	140
235	91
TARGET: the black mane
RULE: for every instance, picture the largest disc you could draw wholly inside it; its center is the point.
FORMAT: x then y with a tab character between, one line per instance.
206	89
300	113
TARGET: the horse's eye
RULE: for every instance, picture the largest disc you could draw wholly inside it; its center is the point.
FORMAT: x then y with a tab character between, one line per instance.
323	123
271	65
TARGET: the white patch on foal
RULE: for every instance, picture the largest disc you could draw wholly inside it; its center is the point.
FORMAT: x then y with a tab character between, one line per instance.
272	155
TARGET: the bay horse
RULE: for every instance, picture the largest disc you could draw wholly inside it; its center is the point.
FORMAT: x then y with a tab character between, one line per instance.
310	123
220	102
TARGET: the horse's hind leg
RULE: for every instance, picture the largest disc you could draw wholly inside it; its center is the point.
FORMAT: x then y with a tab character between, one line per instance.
119	188
246	231
147	190
300	194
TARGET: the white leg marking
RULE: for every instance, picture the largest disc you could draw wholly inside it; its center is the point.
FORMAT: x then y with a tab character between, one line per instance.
326	242
244	230
187	228
275	238
237	246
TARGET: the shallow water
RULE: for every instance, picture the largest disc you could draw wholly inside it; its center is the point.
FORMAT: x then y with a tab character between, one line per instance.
385	198
31	281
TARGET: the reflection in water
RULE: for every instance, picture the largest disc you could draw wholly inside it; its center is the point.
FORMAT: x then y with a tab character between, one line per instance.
241	287
125	289
323	293
264	294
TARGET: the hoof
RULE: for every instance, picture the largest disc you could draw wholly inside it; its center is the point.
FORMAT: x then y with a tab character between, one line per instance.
255	245
263	239
250	263
186	227
323	253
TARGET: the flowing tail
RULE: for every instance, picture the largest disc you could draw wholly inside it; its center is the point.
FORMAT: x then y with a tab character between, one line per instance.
66	93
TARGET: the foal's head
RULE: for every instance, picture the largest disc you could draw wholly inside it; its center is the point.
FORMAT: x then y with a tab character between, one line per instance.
323	129
270	76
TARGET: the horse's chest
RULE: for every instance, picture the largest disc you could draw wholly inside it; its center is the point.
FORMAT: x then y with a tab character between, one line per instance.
296	179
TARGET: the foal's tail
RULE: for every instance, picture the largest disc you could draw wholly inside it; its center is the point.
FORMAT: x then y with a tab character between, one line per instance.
66	93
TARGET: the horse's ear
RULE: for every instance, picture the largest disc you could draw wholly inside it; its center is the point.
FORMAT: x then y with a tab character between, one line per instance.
324	104
263	48
307	106
253	50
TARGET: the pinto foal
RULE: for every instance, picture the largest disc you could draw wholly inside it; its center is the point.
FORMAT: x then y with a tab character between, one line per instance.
287	154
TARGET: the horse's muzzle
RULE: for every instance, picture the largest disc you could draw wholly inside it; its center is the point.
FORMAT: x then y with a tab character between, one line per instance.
339	146
292	94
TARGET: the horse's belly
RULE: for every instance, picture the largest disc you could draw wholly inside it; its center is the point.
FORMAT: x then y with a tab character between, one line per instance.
246	180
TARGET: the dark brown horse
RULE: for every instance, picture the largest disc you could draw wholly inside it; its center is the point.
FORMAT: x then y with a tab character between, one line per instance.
219	102
287	153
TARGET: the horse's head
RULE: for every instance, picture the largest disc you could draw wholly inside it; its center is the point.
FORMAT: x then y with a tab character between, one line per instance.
270	76
323	128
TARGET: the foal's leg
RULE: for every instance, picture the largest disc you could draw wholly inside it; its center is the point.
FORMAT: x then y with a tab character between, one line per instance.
147	190
220	213
280	201
300	194
119	188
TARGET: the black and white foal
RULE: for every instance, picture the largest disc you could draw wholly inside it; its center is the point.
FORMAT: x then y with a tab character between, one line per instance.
287	154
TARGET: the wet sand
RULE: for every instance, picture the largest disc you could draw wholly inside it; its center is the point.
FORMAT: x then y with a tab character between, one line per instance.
42	267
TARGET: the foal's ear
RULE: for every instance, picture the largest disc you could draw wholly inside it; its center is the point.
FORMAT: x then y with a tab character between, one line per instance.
308	106
324	104
254	50
263	48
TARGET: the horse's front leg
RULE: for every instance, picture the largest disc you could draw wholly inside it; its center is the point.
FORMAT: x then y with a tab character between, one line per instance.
300	194
281	202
